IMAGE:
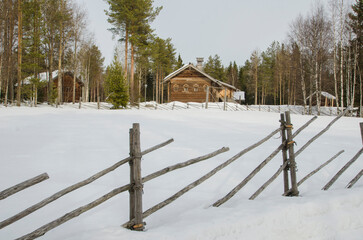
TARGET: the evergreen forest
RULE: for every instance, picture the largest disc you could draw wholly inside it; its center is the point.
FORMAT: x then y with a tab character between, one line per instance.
320	60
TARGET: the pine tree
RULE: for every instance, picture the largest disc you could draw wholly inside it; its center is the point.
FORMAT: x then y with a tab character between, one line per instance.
115	85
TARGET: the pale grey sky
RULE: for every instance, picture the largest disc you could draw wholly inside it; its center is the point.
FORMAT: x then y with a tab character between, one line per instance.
200	28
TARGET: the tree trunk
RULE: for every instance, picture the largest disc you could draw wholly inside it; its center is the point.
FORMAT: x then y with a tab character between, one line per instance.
132	76
303	87
341	76
354	74
347	83
20	38
11	66
75	70
60	99
126	52
317	92
256	86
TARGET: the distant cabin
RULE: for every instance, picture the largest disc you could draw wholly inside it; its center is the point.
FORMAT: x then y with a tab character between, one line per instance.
190	84
67	86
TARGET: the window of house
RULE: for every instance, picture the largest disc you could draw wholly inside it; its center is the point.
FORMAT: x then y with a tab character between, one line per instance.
176	87
186	88
196	87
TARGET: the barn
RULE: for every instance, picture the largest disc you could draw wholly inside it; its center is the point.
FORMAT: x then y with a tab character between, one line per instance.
191	84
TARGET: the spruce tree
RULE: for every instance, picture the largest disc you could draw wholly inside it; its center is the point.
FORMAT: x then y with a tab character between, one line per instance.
179	63
115	85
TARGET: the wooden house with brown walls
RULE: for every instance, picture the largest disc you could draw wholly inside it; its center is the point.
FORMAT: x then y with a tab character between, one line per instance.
67	87
190	84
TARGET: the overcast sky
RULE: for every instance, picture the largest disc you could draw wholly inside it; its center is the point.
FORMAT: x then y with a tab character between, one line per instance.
201	28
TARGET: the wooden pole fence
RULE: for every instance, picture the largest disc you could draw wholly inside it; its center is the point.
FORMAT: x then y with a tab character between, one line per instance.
74	187
23	185
258	168
75	213
321	132
287	193
248	178
283	168
355	179
202	179
342	170
264	186
319	168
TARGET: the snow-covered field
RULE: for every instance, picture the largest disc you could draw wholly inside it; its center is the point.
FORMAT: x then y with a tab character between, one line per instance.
71	145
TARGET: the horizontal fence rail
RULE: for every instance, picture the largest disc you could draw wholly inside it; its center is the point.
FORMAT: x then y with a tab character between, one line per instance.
23	185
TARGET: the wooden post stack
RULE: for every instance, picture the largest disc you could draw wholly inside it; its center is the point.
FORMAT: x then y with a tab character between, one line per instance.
290	146
136	188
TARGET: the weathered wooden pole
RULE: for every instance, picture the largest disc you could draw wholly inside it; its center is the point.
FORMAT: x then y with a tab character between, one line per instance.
207	98
132	178
284	153
348	164
23	185
342	170
268	182
355	179
135	179
292	163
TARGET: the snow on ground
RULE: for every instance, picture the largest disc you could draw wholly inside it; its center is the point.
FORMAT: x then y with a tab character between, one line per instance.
71	145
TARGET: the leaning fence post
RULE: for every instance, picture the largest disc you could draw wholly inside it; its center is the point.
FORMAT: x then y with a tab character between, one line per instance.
292	163
136	179
284	152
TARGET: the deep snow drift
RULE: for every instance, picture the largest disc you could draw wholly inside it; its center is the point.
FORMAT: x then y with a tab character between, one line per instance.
71	145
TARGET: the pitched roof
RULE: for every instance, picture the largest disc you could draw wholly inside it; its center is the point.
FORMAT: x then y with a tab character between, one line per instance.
218	82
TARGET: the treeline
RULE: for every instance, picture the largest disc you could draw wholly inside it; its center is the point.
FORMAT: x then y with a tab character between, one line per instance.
322	54
38	36
320	60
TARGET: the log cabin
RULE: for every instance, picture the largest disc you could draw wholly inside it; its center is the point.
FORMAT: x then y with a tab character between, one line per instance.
190	84
67	86
67	89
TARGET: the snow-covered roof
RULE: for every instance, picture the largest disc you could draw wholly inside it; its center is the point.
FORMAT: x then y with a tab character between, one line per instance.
44	76
324	94
218	82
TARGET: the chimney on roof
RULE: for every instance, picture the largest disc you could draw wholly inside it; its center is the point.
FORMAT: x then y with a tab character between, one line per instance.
200	63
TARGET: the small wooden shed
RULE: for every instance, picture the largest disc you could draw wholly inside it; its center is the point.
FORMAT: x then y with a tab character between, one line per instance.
190	84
